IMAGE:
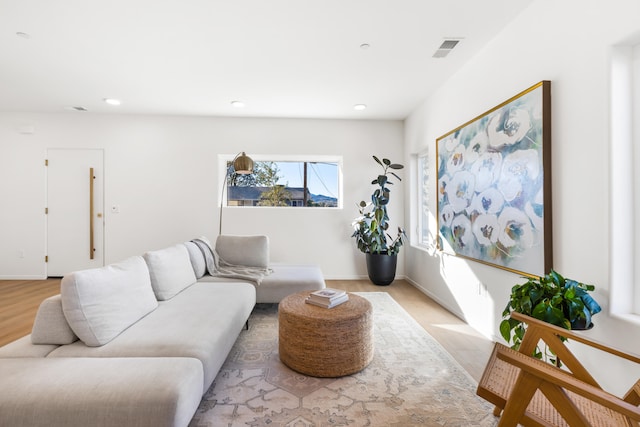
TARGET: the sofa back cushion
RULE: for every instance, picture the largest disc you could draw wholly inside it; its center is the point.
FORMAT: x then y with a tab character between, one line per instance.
196	256
101	303
50	326
170	271
252	251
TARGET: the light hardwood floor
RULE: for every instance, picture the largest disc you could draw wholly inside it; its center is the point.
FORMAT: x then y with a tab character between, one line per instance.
19	301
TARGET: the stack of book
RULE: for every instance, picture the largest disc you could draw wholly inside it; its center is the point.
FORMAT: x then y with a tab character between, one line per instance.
327	298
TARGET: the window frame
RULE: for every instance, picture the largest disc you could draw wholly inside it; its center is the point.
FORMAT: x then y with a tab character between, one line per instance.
424	220
223	159
624	192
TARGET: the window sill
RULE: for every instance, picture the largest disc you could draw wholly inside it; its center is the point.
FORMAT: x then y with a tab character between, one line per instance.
632	318
315	208
429	249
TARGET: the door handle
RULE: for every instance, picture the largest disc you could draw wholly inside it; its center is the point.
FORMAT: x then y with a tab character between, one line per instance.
91	180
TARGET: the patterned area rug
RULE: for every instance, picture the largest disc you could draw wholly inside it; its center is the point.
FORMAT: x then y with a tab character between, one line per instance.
411	381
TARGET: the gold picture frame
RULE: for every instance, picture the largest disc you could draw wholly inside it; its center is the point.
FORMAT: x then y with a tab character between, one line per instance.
494	185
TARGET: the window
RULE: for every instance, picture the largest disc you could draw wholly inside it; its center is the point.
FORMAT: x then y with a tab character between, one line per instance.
425	218
625	181
313	182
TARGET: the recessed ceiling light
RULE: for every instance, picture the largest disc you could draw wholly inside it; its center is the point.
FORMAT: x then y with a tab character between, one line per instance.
365	46
237	104
23	35
359	107
112	101
76	108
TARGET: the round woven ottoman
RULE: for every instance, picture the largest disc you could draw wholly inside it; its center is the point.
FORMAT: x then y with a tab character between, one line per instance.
325	342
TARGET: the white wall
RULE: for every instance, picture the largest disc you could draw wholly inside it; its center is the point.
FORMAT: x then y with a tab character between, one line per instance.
163	174
569	43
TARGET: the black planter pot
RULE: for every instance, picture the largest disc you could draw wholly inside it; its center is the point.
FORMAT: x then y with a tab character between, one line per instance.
381	268
583	324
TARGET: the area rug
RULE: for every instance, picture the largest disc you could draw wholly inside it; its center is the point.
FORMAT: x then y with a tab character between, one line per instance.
412	381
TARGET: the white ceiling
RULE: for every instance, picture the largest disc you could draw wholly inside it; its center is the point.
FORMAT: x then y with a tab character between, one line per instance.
282	58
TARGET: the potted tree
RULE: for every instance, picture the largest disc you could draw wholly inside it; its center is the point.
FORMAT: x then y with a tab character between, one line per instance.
370	228
553	299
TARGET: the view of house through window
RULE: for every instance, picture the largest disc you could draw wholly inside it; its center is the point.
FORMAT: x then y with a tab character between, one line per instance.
286	184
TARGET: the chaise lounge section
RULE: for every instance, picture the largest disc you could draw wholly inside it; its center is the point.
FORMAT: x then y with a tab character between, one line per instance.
283	279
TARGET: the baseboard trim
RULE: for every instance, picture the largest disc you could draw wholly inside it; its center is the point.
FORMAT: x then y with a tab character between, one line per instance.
23	277
358	277
457	313
434	297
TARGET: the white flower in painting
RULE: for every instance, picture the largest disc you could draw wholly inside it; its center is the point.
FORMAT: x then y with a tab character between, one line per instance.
486	169
460	190
508	127
514	229
450	142
456	160
486	229
446	215
490	201
443	183
477	147
461	231
518	167
535	211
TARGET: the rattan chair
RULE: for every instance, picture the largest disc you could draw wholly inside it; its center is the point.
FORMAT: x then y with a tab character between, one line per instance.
530	392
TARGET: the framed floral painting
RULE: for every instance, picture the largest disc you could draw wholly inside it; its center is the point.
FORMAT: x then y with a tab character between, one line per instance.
494	185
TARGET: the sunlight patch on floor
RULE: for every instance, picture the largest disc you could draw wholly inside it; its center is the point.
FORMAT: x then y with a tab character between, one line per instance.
461	329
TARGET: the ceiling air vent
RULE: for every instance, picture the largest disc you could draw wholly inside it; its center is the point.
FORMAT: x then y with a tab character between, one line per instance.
446	47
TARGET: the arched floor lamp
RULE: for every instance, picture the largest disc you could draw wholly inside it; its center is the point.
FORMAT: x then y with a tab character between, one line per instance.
243	165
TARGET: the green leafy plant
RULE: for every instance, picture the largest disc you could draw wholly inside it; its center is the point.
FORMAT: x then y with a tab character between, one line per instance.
553	299
370	228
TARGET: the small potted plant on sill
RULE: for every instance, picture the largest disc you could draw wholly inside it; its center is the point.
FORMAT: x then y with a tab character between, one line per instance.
370	228
553	299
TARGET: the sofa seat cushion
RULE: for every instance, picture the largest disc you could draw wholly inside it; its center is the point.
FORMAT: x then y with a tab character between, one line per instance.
50	325
285	279
100	303
202	322
133	392
170	270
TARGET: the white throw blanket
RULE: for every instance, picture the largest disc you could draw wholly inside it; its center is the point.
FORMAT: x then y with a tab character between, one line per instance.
218	267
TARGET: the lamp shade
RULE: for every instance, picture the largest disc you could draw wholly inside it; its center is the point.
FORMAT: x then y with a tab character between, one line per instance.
243	164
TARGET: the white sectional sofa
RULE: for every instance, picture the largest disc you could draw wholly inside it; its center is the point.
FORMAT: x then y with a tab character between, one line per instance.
137	343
